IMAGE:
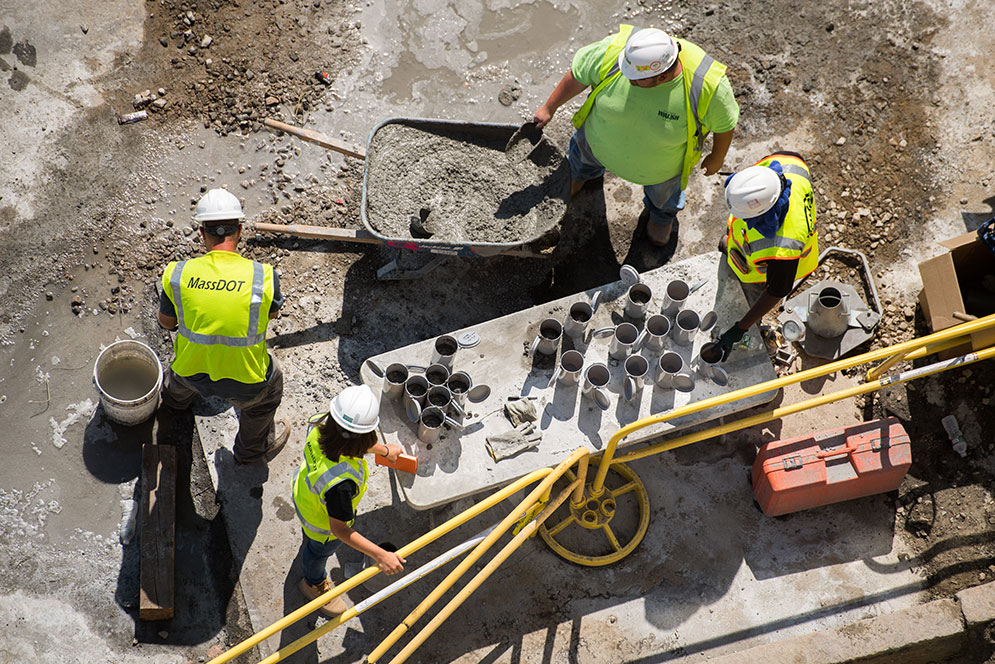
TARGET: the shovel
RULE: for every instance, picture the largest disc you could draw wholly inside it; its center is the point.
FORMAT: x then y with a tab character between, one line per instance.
523	142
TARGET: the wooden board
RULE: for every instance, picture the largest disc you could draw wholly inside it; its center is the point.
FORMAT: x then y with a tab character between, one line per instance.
157	531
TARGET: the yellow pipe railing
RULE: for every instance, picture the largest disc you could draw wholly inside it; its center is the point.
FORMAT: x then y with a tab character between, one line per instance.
814	402
912	349
366	575
541	491
499	559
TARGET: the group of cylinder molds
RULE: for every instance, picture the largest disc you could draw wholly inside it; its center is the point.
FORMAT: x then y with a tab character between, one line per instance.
673	321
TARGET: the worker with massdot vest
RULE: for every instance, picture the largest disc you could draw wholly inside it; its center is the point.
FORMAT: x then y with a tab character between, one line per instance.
771	237
220	304
654	101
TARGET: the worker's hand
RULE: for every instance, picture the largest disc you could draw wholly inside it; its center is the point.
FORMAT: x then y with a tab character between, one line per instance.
542	116
712	163
390	563
729	338
393	451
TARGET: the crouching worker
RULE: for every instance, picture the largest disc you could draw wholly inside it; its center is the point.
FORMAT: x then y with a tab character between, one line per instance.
329	485
771	238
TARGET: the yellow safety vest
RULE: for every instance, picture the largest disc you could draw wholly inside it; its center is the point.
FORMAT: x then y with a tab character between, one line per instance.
748	251
222	305
316	475
701	73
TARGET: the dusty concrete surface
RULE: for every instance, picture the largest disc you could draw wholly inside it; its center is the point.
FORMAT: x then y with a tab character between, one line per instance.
890	100
465	187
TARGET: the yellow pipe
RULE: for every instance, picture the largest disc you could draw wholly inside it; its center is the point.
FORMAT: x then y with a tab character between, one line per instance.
369	573
874	372
484	574
475	555
871	356
814	402
578	496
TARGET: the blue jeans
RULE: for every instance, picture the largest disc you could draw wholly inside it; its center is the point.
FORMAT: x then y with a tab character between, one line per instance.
663	200
314	557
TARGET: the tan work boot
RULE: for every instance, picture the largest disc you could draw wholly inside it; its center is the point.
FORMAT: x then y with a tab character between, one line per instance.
335	607
659	234
279	440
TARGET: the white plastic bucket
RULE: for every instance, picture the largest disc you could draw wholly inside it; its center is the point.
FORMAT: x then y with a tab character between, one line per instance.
128	377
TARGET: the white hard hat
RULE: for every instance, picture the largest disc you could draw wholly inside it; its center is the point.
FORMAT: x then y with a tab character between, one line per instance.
356	409
648	52
752	191
218	205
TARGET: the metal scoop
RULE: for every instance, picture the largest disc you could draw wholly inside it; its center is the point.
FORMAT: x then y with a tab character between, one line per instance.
523	142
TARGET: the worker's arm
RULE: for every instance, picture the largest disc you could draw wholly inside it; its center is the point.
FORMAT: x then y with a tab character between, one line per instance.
712	164
764	303
389	562
568	88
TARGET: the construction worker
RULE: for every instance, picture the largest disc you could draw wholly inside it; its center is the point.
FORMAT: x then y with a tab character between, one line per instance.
654	100
220	304
771	237
329	485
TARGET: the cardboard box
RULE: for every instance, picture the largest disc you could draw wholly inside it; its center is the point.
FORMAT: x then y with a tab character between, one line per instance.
947	279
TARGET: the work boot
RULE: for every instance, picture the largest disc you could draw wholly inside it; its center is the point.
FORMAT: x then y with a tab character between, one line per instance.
576	186
335	607
279	442
659	234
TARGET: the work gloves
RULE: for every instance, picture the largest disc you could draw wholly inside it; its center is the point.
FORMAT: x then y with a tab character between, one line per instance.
521	410
730	338
509	443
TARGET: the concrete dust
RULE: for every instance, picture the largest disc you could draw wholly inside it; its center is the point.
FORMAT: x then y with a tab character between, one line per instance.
472	190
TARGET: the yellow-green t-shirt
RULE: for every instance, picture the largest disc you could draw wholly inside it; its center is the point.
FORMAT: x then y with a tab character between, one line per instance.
641	134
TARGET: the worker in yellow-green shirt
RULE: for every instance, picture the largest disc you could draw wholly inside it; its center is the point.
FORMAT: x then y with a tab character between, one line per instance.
654	101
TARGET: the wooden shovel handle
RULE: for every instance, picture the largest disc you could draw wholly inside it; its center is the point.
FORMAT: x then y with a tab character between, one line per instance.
316	137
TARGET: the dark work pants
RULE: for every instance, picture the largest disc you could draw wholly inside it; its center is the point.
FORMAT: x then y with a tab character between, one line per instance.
255	420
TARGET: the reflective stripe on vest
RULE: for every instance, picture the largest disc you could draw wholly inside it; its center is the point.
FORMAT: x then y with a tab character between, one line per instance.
697	83
785	244
251	337
702	74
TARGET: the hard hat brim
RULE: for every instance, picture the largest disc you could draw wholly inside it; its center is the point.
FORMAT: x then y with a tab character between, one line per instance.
634	74
217	216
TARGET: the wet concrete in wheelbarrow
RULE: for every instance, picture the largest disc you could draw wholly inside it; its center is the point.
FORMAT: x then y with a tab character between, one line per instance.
462	186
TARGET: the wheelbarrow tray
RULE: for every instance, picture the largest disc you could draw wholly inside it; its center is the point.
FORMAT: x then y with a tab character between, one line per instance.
537	207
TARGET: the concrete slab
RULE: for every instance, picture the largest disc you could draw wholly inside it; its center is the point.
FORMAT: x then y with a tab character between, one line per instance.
458	465
978	604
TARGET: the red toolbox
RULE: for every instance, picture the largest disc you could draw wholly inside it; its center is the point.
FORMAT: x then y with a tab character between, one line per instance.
831	466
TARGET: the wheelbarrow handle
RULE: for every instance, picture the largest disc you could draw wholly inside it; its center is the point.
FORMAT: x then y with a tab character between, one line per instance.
316	137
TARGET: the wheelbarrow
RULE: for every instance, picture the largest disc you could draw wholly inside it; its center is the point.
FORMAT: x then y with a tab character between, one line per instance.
406	247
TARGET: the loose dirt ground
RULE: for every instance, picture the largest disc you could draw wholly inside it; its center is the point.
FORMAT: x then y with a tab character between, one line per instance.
889	101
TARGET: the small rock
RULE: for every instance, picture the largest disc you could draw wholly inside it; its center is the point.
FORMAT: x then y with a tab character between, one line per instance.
159	103
49	295
841	140
206	41
163	634
84	28
272	101
162	92
509	95
245	184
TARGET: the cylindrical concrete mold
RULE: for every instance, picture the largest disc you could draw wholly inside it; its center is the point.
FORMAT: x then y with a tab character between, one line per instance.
622	340
669	365
637	301
444	351
548	339
579	316
128	378
674	296
685	327
393	380
636	368
652	336
569	369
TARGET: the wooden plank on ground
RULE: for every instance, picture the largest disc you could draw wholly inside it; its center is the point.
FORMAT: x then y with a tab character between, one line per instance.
157	531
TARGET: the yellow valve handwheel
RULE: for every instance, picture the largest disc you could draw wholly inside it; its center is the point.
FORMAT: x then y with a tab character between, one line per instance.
601	530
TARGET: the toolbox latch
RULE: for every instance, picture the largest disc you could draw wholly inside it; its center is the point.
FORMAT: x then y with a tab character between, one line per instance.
793	463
